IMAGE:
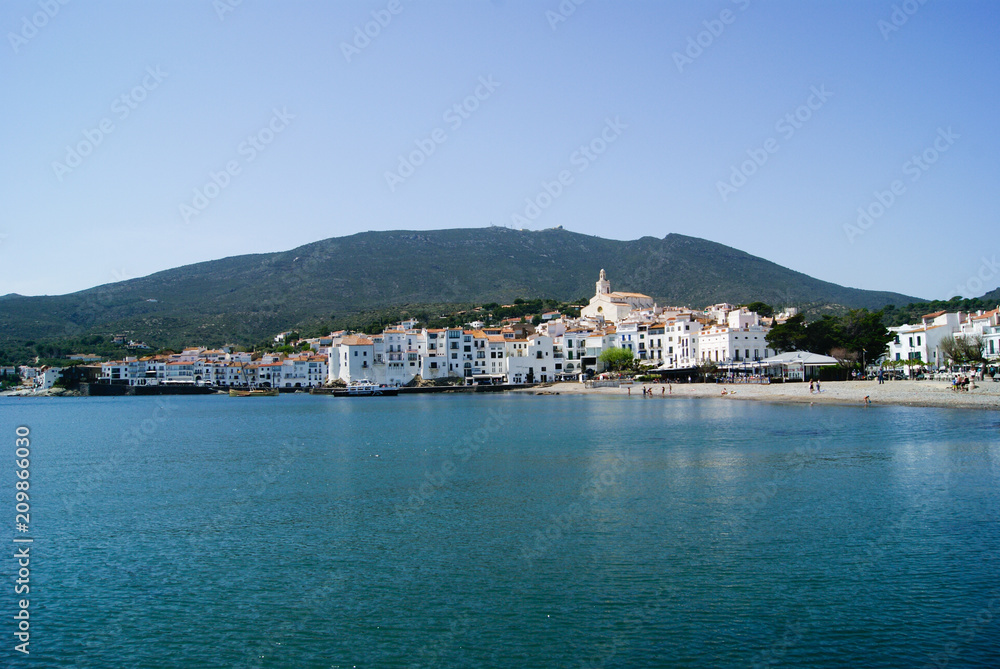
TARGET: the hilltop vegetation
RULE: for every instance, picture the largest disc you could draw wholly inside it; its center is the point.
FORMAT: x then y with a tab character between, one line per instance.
370	279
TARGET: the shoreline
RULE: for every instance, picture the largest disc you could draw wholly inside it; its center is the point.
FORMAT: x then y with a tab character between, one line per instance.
932	394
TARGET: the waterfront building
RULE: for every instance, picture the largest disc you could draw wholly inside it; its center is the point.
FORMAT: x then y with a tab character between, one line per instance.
356	356
922	341
742	338
532	360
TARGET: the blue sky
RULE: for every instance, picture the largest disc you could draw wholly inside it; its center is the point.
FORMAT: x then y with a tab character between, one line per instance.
768	136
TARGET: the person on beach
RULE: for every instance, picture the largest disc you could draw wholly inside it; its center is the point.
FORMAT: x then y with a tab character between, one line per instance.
662	391
630	391
817	385
671	387
812	388
868	400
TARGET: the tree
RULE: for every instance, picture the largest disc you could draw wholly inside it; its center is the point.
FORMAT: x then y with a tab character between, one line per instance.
863	332
761	308
965	349
845	358
951	350
788	336
617	359
824	335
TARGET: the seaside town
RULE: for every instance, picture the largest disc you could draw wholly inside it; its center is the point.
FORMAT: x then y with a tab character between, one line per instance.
665	342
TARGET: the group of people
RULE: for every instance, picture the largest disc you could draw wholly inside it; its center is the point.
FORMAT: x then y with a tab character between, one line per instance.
744	378
648	392
814	386
961	383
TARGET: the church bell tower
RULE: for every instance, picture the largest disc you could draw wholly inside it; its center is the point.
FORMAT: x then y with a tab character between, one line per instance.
603	285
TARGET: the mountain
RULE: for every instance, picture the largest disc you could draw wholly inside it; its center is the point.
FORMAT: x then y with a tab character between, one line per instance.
245	298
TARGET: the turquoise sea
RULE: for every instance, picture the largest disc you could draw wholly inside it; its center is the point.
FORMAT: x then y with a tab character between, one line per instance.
502	531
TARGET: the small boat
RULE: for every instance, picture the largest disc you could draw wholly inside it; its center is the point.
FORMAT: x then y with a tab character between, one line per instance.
251	390
365	388
254	392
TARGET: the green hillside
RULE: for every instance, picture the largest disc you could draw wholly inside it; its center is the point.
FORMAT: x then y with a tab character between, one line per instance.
246	298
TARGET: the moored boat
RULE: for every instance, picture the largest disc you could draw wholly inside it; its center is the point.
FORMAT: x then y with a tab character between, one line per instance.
251	390
365	388
254	392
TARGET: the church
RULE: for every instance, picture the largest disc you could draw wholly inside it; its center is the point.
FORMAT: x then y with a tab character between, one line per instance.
614	307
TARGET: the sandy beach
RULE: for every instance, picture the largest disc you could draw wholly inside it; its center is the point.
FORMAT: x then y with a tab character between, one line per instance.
906	393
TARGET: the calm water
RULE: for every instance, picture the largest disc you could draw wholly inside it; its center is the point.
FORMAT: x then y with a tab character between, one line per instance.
505	532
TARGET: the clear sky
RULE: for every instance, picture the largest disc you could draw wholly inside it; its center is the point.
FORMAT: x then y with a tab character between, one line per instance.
761	125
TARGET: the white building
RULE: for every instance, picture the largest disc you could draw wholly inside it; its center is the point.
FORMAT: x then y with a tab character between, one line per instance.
46	378
922	341
573	345
741	339
533	360
679	347
356	358
614	306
